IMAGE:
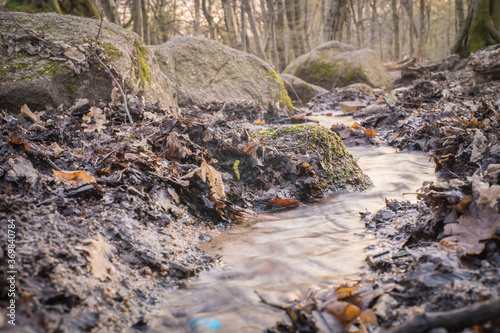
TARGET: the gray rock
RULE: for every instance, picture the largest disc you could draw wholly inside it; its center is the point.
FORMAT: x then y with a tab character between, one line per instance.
299	89
204	70
57	71
334	64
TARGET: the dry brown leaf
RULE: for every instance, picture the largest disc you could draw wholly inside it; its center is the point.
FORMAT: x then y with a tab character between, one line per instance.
74	54
74	177
343	311
174	146
115	95
99	253
94	120
56	148
27	112
464	204
355	125
470	232
215	179
370	132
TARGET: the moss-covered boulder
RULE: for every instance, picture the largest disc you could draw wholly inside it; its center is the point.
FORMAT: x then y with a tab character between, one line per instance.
320	155
300	90
204	70
45	61
334	64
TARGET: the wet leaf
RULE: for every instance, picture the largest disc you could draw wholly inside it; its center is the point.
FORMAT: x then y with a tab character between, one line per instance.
215	179
470	232
343	311
99	253
284	202
14	139
370	132
94	120
74	177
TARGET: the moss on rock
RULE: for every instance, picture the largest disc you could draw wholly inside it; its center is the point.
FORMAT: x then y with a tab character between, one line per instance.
339	168
140	64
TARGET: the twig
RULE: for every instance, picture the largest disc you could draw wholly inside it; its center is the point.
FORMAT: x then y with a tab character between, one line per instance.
111	74
454	320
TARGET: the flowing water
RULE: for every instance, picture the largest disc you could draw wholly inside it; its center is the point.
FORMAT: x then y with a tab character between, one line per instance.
290	253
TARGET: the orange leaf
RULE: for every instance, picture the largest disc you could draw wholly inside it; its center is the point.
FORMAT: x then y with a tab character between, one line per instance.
368	317
74	177
343	311
283	202
355	125
259	122
463	204
370	132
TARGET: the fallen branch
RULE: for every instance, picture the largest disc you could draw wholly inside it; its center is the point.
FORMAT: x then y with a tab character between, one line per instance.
454	320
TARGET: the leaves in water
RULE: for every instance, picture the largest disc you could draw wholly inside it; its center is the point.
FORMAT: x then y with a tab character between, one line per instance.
343	311
99	253
74	177
215	179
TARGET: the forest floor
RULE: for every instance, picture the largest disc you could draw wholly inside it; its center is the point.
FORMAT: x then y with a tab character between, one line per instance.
96	246
437	264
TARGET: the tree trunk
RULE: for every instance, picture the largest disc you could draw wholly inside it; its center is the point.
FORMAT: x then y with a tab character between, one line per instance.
230	19
356	23
255	30
243	29
85	8
209	18
274	50
460	16
137	16
334	20
197	18
421	34
145	22
299	26
409	10
110	10
395	22
280	34
481	28
373	24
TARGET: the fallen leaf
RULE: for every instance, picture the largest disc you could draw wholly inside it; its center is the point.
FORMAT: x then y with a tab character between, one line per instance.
27	112
283	202
174	147
74	177
215	179
343	311
464	204
99	253
370	132
14	139
470	232
94	120
259	122
355	125
115	95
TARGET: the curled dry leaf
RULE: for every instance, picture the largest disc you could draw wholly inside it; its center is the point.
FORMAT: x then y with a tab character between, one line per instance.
94	120
370	132
174	147
215	179
27	112
74	177
99	253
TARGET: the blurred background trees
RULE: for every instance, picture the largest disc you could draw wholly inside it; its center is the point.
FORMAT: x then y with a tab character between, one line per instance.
280	30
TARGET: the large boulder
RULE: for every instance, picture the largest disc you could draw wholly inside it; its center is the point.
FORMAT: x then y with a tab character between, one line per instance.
45	61
300	90
204	70
334	64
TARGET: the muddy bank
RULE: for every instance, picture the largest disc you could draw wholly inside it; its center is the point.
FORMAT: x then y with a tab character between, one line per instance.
437	263
109	215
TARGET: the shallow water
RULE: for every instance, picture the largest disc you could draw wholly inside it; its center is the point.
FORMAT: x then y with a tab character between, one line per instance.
288	254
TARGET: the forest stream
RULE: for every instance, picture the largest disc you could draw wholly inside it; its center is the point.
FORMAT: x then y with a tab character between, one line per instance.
286	255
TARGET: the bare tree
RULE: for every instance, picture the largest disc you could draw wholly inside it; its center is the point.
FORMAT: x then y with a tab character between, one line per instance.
421	33
136	11
395	22
334	20
231	25
253	26
111	11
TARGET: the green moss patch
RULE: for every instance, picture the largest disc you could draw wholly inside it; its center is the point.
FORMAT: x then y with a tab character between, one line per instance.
140	64
339	168
111	51
281	96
